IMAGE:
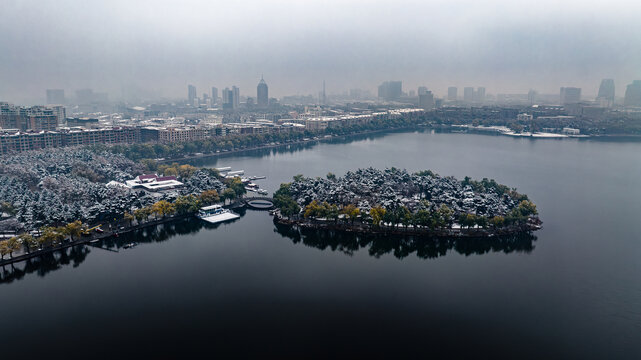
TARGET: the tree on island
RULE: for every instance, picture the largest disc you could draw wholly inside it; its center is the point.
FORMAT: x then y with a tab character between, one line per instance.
28	241
284	201
9	246
497	222
74	228
351	212
141	214
189	204
128	217
377	213
237	186
209	197
163	208
229	193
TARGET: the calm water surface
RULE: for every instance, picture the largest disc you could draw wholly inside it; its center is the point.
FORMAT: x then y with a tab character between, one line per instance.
247	288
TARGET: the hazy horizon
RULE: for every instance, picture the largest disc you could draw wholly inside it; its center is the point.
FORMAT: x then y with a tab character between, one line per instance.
153	49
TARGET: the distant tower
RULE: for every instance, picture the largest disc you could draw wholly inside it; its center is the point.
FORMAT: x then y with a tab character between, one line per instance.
214	95
236	93
606	93
452	93
262	93
468	94
531	96
570	95
324	99
426	100
633	94
228	99
480	95
191	94
390	90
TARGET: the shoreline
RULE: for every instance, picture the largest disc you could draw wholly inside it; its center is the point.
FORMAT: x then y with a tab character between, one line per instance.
441	127
270	146
95	237
91	239
369	229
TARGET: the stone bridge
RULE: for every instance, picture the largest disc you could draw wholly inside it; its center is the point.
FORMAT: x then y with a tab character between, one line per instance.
254	202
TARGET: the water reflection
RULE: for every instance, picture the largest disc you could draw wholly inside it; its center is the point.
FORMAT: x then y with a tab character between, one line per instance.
377	246
76	255
403	246
44	264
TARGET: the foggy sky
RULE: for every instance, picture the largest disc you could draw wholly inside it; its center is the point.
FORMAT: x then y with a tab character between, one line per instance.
155	48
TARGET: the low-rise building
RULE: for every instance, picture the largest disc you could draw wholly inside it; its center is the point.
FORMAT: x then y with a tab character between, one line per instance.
152	182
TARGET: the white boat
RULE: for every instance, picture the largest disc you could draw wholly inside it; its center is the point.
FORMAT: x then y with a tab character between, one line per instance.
216	213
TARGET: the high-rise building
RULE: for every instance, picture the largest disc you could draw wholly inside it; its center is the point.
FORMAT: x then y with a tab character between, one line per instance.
390	90
633	94
452	93
468	94
531	96
570	95
214	95
480	95
422	90
236	92
262	93
60	112
191	94
426	100
29	118
606	92
55	96
228	99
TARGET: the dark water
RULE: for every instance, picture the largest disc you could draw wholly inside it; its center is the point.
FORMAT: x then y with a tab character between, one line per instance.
248	288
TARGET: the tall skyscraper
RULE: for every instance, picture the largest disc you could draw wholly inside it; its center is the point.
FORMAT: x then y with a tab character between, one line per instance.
323	95
228	99
191	94
55	96
422	90
570	95
480	95
214	95
236	94
390	90
468	94
452	93
633	94
426	100
262	93
606	93
531	96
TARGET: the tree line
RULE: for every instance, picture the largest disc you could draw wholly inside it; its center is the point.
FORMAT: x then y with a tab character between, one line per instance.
440	218
52	236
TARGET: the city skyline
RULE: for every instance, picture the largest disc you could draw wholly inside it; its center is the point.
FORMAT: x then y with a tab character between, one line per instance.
128	51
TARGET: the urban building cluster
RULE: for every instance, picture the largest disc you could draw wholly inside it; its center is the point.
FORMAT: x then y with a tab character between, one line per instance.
13	140
196	118
35	118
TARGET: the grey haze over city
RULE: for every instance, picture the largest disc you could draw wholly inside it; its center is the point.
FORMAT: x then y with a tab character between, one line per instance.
153	49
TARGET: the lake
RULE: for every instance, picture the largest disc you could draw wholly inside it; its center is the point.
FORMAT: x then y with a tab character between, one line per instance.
248	288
